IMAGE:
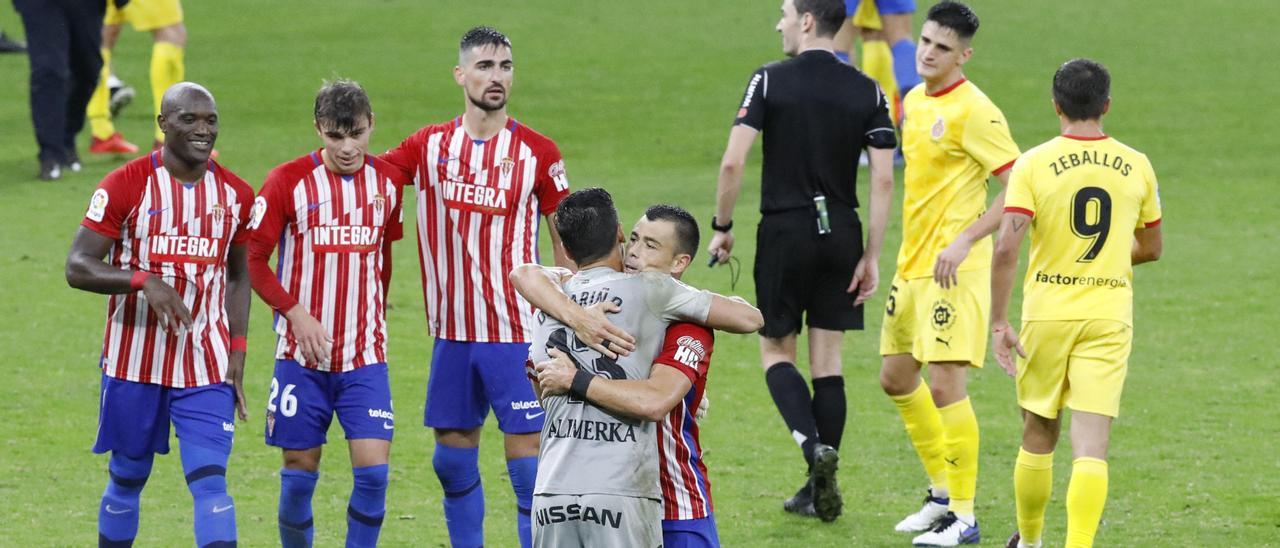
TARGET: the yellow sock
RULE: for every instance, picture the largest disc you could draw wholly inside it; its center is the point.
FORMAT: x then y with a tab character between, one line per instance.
1086	495
99	110
877	62
961	454
167	69
924	427
1032	485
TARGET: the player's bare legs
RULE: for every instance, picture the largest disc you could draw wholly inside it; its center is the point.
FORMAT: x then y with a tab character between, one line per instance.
820	496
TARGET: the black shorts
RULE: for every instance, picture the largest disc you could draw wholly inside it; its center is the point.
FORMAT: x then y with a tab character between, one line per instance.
799	273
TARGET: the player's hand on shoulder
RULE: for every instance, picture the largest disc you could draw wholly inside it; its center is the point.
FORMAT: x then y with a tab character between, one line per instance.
866	277
1004	342
555	375
721	246
313	339
948	262
167	304
592	326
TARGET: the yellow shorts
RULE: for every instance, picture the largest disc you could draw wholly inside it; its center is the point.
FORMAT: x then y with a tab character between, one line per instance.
1079	364
867	16
145	15
938	325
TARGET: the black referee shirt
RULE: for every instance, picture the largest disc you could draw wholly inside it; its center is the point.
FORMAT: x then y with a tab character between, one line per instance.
817	114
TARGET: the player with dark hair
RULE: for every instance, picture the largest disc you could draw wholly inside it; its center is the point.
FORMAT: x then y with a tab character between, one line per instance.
334	213
817	114
172	226
611	470
482	180
954	139
1070	193
664	239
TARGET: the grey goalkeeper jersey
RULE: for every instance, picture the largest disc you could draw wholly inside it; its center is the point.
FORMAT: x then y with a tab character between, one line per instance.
585	449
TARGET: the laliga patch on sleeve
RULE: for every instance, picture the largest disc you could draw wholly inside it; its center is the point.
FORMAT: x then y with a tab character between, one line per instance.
259	211
97	205
556	172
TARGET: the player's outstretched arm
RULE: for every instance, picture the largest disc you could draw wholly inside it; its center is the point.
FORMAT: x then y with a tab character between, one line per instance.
948	262
728	185
86	270
1004	268
1148	244
648	399
238	299
541	287
733	314
866	275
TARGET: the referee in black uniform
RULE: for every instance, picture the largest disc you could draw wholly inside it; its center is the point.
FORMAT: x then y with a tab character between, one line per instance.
816	114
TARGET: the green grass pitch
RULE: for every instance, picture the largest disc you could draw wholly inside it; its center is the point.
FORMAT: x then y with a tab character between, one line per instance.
639	97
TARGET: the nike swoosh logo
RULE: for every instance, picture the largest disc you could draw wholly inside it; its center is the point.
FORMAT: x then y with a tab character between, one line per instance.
530	417
111	510
156	211
386	426
221	509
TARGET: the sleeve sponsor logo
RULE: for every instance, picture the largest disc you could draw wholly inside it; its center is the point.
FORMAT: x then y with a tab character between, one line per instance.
97	205
751	90
690	351
259	211
556	172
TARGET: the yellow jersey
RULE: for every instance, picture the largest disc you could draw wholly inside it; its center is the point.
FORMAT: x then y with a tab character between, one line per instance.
951	141
1085	196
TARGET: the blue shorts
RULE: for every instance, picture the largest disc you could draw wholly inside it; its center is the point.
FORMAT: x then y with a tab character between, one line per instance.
303	401
134	417
467	378
885	7
690	533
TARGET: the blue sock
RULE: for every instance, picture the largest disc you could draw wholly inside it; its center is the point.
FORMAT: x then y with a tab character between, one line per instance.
904	65
367	506
118	514
843	56
294	514
459	472
215	513
523	472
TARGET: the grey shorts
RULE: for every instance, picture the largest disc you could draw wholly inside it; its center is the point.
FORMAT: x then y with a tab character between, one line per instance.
606	521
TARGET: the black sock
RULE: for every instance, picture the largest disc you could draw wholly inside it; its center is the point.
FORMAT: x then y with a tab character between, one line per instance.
829	410
791	395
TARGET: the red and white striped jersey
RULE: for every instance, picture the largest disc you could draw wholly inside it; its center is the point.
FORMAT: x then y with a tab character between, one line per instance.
180	233
478	208
686	489
332	231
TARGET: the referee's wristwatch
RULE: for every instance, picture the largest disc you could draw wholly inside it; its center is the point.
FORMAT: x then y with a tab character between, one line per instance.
721	227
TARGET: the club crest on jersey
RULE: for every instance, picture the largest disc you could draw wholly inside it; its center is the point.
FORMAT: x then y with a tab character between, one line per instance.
938	129
379	202
218	212
475	198
507	165
184	249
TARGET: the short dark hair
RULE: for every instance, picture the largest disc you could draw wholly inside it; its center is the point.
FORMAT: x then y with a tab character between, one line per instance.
483	36
830	14
955	16
588	225
341	103
686	226
1081	87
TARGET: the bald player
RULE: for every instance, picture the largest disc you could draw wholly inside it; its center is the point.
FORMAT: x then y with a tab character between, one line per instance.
165	236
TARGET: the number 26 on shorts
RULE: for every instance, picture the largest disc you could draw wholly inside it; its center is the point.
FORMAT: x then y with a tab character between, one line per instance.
288	402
